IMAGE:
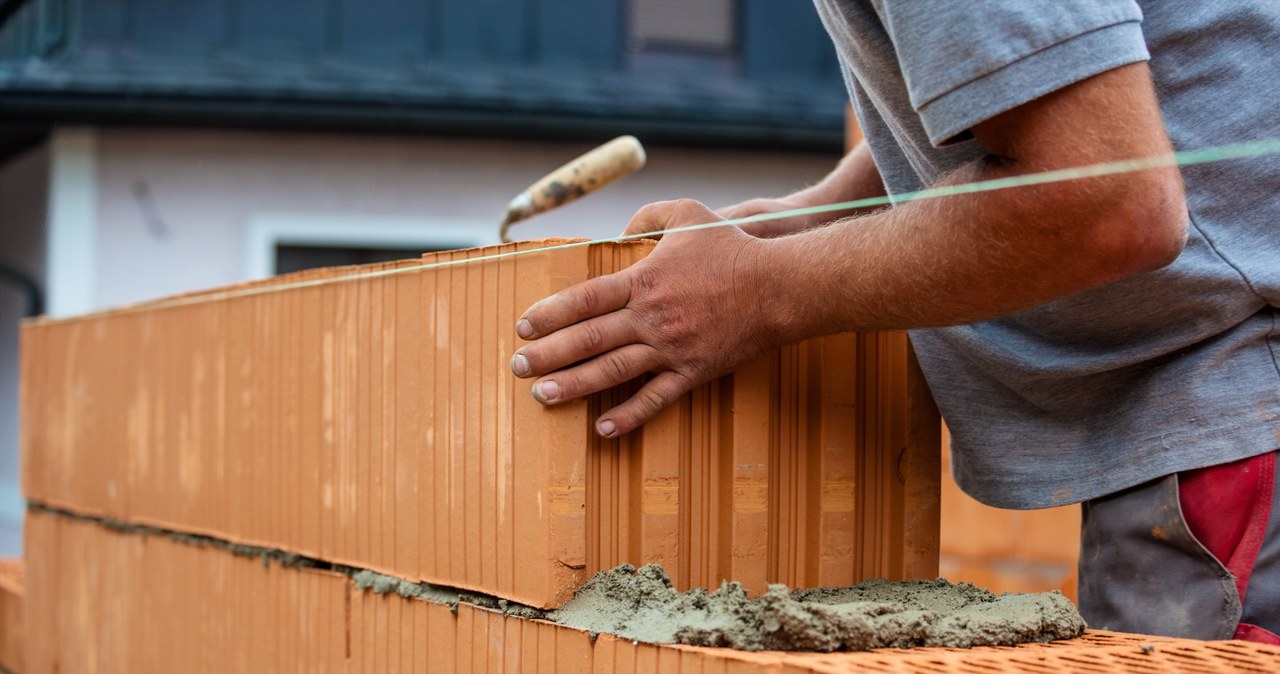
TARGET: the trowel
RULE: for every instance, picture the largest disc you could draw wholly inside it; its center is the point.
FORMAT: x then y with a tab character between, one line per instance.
616	159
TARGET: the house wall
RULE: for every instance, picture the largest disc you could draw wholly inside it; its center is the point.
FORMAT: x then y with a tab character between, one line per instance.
23	194
175	205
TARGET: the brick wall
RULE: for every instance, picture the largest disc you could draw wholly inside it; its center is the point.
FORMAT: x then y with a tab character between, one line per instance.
365	416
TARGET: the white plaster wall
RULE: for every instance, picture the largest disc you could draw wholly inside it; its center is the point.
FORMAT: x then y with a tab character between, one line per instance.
23	194
173	204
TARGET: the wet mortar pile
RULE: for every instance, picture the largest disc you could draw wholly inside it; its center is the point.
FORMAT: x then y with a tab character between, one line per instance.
642	604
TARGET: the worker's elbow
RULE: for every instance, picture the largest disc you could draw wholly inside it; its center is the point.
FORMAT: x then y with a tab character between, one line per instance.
1144	228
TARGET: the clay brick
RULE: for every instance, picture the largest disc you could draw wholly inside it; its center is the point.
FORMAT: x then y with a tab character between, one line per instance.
773	474
102	600
372	422
11	602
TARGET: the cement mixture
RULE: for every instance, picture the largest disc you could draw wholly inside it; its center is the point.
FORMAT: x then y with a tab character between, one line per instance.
642	605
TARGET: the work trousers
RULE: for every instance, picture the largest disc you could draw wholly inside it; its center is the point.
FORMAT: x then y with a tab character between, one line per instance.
1194	554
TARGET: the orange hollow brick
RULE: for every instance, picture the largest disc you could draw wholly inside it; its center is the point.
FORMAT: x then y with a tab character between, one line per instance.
106	600
11	627
365	416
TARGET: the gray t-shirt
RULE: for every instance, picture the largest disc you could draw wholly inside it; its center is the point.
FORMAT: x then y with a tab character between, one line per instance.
1167	371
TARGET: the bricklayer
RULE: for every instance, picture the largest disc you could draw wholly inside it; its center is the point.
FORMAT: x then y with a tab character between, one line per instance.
373	422
100	600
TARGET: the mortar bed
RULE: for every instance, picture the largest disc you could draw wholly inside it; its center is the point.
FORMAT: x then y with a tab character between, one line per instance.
643	605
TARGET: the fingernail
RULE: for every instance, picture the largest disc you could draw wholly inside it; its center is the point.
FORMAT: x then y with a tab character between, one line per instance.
519	365
546	391
524	329
606	428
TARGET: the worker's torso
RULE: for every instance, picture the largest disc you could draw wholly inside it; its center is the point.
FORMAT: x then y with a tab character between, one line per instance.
1166	371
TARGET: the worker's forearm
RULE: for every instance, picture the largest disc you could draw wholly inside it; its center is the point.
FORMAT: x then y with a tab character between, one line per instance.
855	177
703	302
971	257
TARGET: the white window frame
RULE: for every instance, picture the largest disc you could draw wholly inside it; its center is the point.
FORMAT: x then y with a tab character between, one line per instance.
265	231
71	248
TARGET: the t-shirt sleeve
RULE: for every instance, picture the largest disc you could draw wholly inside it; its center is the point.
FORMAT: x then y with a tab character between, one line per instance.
965	62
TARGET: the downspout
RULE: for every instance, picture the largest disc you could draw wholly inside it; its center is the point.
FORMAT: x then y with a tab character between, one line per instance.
35	298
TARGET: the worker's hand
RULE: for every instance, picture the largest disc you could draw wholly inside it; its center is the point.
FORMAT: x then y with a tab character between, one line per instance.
763	229
654	219
772	227
687	313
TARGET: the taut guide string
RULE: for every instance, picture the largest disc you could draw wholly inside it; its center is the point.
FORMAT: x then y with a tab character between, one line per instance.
1246	150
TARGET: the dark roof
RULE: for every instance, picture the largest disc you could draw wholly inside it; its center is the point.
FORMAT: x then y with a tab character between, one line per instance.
80	62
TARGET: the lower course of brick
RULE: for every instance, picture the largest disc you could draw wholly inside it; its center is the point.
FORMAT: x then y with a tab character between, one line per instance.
11	591
153	604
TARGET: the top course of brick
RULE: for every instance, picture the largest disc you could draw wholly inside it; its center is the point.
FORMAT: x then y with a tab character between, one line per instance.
372	421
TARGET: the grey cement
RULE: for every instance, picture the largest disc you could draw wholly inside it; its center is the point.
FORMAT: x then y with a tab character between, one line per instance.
642	605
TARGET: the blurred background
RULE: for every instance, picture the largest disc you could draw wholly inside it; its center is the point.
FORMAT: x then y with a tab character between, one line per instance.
151	147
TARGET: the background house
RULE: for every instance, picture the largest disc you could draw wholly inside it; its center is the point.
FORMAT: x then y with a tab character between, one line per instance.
150	147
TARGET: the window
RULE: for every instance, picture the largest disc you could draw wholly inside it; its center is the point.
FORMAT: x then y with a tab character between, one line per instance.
695	38
277	243
700	26
296	257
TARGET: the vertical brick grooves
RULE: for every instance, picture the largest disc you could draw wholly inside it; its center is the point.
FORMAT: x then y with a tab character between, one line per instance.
12	591
774	472
407	419
723	451
835	446
892	401
719	450
603	518
794	398
870	462
688	515
373	423
383	424
815	517
809	447
286	415
439	474
751	498
685	471
476	449
602	515
783	466
867	498
154	604
503	300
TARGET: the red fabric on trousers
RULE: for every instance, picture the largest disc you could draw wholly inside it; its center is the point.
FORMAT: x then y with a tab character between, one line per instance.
1227	508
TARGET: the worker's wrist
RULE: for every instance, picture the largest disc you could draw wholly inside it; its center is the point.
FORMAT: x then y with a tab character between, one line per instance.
780	308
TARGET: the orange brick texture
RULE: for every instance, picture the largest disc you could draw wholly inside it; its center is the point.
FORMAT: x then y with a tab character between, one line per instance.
1007	550
149	604
11	600
372	422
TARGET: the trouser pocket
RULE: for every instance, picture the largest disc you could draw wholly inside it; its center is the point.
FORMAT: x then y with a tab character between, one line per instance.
1142	570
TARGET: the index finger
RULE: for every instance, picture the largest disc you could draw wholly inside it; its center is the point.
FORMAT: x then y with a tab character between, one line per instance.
595	297
653	219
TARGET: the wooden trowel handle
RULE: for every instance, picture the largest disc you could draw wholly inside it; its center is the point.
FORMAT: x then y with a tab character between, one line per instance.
616	159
